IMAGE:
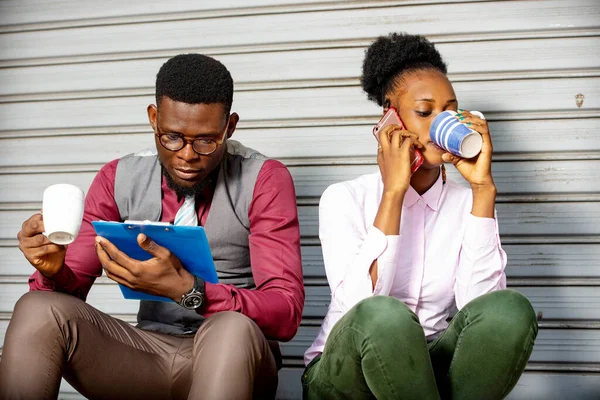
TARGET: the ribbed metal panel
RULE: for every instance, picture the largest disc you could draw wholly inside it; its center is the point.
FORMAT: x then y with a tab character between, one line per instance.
76	77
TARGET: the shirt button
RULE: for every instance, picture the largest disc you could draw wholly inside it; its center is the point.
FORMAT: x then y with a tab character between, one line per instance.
420	202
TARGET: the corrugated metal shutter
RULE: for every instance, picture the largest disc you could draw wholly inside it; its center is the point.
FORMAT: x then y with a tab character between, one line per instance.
75	78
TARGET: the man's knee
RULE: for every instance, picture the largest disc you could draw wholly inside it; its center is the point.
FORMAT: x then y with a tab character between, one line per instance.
230	327
40	314
43	308
231	351
233	338
385	313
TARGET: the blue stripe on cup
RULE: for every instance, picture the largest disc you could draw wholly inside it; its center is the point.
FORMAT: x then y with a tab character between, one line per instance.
453	136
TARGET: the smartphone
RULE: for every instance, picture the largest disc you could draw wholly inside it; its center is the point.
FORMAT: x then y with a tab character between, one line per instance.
391	117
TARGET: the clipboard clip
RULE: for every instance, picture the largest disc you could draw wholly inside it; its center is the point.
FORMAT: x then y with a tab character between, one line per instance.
131	224
146	222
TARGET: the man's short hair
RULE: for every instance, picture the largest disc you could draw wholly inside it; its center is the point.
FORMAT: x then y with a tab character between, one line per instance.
195	79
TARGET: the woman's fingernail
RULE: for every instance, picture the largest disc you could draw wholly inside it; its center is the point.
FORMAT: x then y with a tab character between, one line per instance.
459	115
461	118
468	124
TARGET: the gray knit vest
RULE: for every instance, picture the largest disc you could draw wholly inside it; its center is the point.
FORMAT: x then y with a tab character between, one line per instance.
138	196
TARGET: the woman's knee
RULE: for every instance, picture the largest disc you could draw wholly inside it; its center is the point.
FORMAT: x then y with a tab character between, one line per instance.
379	313
510	309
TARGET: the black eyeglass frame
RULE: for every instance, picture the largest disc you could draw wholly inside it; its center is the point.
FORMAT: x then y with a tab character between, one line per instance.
185	142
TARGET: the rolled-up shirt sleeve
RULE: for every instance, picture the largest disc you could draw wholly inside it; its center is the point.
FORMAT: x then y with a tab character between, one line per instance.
482	261
350	244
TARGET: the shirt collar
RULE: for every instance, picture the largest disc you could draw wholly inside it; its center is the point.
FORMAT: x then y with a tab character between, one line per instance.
430	197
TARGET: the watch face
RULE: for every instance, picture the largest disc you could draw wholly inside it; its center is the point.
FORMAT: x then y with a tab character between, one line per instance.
192	301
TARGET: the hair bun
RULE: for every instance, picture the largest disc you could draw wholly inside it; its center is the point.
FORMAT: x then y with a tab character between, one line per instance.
392	55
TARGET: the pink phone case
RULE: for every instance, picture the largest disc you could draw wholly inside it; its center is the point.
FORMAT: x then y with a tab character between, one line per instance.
417	162
391	117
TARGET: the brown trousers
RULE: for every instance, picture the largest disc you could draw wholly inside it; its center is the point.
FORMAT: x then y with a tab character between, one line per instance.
52	335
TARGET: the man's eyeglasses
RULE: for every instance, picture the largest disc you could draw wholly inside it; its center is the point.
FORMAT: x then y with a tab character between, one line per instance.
202	146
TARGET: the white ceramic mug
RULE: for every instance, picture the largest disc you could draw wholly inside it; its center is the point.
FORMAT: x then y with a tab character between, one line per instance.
62	211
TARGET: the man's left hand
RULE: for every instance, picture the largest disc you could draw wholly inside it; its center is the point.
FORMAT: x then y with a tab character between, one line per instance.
162	275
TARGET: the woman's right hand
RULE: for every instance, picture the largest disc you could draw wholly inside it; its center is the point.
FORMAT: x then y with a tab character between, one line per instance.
394	157
45	256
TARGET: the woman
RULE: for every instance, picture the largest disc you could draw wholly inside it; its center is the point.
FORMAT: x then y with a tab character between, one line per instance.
402	251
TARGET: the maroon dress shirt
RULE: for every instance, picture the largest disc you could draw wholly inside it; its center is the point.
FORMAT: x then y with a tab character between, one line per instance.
277	301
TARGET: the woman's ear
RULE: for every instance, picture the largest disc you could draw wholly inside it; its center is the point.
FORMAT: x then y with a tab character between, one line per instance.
386	105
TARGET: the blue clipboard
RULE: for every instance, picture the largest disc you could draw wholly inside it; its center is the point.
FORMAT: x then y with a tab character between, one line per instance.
188	243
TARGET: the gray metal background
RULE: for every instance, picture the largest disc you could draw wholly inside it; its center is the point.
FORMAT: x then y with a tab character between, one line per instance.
76	77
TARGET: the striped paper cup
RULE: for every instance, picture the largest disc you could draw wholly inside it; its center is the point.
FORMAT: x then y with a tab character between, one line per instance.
455	137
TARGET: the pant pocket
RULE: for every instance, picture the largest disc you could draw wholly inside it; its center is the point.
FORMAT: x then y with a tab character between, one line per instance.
306	374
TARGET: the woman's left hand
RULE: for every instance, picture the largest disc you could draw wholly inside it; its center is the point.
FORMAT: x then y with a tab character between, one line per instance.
477	170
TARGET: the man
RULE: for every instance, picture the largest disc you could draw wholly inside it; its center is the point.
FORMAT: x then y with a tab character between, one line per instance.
211	342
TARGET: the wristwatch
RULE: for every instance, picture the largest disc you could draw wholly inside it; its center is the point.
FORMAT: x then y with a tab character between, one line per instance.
194	298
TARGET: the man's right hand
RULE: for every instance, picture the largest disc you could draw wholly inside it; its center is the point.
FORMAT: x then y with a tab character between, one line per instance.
45	256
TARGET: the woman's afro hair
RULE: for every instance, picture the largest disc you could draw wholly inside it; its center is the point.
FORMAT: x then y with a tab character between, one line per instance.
390	56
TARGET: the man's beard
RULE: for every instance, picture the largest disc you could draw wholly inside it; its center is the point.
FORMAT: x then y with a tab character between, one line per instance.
182	191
